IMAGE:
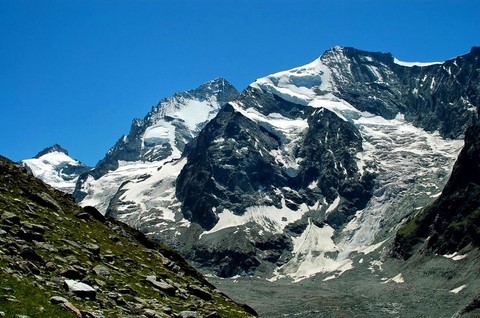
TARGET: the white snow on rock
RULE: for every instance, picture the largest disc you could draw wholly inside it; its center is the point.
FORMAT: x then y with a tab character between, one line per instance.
296	85
152	198
268	218
455	256
101	191
76	286
148	191
412	64
309	257
159	134
178	115
426	160
176	119
396	279
458	289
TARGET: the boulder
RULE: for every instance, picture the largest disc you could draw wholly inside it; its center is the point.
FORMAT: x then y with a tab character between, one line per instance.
80	289
200	292
29	254
101	270
93	212
161	285
58	300
188	314
91	314
10	218
30	235
73	309
44	199
73	273
50	266
213	314
92	248
149	313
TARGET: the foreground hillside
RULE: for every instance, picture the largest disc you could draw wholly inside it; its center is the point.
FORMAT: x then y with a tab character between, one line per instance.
59	260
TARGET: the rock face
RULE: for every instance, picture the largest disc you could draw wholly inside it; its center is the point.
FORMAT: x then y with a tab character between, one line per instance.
302	172
85	266
452	222
226	169
55	167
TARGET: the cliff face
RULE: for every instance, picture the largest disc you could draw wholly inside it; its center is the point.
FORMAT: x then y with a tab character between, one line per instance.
452	222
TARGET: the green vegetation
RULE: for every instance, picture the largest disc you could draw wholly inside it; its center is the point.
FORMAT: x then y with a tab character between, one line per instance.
26	297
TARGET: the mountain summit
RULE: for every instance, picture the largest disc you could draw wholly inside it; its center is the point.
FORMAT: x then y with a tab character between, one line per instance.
54	148
54	166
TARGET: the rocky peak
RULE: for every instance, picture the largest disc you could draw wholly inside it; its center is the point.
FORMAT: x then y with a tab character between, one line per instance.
54	148
339	54
219	87
172	123
163	133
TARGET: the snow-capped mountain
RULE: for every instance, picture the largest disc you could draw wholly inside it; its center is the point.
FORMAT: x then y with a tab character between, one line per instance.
303	172
54	166
159	137
319	163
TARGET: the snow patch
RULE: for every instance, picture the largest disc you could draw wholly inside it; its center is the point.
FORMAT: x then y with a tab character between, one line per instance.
396	279
412	64
375	265
334	205
268	218
326	279
309	255
458	289
159	134
455	256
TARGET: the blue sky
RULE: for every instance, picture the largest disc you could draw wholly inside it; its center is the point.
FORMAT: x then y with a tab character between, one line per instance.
76	72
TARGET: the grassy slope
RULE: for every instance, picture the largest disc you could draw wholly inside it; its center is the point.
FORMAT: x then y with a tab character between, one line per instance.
129	260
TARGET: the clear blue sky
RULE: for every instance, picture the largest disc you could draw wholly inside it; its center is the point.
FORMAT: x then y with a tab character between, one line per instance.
76	72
